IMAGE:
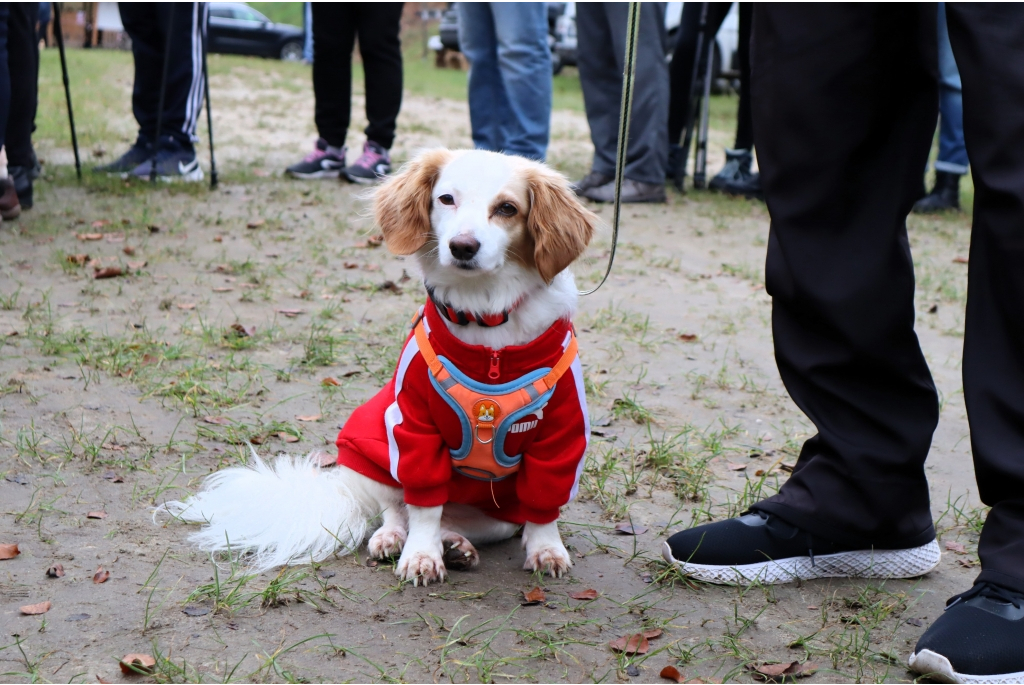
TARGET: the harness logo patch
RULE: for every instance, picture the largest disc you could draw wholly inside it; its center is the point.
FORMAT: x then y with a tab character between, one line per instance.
486	411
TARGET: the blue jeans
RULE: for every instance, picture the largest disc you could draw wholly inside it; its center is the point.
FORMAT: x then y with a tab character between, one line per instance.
952	157
506	44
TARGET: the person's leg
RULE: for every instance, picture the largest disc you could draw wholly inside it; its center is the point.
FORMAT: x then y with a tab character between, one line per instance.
334	33
952	162
148	44
488	101
23	57
601	79
378	26
381	49
524	60
844	105
184	25
981	632
9	206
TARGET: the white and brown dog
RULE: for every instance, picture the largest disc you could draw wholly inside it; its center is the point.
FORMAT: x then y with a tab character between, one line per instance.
484	425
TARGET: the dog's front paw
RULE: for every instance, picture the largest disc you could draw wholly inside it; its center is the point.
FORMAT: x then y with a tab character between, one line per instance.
388	541
422	568
550	559
459	553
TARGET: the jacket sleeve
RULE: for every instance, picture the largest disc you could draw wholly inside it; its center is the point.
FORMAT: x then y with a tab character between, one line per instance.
550	472
418	456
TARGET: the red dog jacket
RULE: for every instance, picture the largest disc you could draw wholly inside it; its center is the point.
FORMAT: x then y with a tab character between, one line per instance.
407	434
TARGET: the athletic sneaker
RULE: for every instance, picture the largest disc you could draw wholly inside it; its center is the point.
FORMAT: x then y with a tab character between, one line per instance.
762	547
173	163
979	639
323	162
138	153
372	165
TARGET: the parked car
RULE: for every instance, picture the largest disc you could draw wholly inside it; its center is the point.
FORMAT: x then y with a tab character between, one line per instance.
237	29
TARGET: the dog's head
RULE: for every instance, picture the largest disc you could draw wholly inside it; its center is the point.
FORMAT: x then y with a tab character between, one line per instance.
473	212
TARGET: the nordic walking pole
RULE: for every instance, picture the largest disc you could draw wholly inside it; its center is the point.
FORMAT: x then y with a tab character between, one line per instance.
693	99
209	114
67	86
700	163
163	92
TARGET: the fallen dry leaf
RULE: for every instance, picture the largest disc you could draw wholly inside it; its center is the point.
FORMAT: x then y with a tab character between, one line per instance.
959	260
257	439
101	576
89	236
534	596
793	669
135	266
153	228
114	237
631	644
186	305
627	528
111	475
288	437
330	381
55	571
78	259
224	289
672	673
956	547
325	459
584	594
35	609
108	272
128	250
375	241
241	331
372	267
736	467
966	563
256	223
217	420
309	419
100	223
135	664
9	551
193	610
350	265
96	515
218	239
688	337
290	313
653	633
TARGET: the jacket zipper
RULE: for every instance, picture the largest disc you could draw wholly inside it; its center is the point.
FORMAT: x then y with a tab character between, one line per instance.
494	372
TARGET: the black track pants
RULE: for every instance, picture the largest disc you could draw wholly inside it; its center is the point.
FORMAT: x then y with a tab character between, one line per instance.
335	28
23	61
150	26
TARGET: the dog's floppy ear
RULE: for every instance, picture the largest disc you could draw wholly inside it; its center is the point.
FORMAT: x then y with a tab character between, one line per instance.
402	203
560	226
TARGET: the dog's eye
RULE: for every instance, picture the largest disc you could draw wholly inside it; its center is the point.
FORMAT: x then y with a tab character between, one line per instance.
507	209
446	200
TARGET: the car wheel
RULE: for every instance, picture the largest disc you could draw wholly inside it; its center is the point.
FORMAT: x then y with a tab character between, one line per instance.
291	52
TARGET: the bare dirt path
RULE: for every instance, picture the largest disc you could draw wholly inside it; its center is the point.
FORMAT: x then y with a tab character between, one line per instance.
260	312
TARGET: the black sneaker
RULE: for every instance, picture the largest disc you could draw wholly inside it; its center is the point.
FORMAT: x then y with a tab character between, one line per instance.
173	163
762	547
322	162
22	177
979	639
373	165
736	178
944	196
631	191
126	163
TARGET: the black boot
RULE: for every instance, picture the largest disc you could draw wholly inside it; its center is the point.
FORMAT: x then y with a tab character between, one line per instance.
945	195
676	171
736	178
22	177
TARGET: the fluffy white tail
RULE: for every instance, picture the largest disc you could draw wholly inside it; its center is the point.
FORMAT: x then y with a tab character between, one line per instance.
290	512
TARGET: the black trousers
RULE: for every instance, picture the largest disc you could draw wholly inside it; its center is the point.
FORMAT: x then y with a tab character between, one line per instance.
335	27
681	71
23	62
151	26
844	101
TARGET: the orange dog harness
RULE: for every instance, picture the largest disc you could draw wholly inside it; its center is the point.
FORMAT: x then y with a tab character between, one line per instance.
487	412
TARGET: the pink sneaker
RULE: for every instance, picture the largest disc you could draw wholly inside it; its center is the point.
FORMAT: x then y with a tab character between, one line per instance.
320	163
372	165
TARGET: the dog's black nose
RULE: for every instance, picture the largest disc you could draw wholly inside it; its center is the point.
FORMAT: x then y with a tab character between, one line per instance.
464	247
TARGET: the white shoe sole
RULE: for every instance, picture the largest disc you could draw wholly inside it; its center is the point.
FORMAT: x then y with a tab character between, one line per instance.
888	563
938	668
335	173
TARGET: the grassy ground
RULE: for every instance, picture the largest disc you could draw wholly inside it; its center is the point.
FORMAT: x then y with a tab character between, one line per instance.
237	305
